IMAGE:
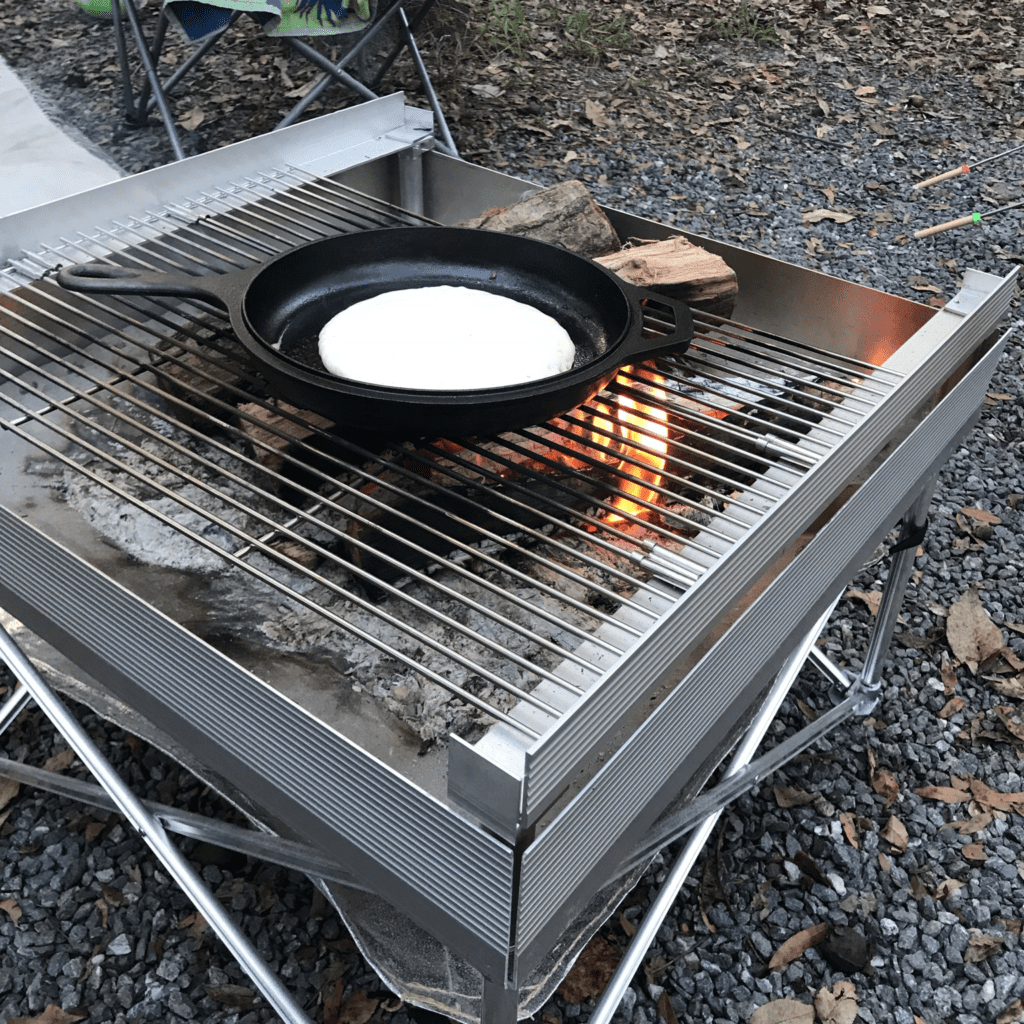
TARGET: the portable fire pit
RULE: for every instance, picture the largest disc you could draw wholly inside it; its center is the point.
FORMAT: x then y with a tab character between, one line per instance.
480	678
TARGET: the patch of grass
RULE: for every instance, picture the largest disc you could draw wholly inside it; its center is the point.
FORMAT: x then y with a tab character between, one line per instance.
505	27
744	23
586	37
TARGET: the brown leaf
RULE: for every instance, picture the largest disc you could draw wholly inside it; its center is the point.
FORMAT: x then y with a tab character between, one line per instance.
895	834
1011	718
232	995
627	926
798	944
51	1015
951	707
974	852
838	1006
60	761
8	791
1012	688
816	216
884	863
666	1011
595	113
850	829
980	946
884	783
872	598
973	637
783	1011
992	798
792	796
948	675
592	971
1013	1013
980	515
357	1010
104	909
973	825
11	909
947	887
192	120
947	794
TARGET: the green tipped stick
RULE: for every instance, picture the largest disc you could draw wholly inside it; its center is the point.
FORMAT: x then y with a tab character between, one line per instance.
974	218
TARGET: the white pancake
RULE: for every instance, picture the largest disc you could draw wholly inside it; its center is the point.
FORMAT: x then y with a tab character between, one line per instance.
444	338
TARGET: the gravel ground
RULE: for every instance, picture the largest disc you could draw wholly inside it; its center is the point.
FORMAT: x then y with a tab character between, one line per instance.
93	925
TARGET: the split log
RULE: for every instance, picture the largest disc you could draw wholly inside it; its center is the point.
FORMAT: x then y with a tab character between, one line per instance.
679	269
564	214
272	433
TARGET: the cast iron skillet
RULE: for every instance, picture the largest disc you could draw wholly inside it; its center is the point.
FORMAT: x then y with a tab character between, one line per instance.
277	309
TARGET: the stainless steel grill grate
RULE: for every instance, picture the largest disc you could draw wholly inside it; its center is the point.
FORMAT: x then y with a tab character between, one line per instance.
481	564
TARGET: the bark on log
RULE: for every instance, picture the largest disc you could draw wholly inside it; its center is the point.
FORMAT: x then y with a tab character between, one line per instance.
679	269
564	214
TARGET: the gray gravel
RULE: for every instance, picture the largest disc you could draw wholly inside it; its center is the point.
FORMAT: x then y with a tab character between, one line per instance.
102	929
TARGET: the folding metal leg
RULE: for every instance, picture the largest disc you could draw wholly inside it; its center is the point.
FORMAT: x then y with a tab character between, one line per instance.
335	72
145	824
854	696
146	55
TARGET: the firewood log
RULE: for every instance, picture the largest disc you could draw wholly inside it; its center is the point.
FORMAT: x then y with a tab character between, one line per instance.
679	269
564	214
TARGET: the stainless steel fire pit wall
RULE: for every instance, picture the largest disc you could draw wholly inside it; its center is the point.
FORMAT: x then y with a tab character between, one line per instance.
493	871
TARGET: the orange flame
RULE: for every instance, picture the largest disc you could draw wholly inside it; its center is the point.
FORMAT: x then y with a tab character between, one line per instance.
641	432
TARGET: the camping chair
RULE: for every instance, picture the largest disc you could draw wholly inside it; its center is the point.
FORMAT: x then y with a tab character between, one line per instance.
206	22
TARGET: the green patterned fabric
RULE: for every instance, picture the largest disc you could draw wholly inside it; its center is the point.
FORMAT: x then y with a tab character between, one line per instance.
198	20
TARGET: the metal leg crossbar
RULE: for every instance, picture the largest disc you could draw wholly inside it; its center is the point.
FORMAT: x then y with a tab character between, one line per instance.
33	687
153	92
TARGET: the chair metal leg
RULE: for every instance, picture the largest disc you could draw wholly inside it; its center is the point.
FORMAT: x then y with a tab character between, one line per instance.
138	111
150	830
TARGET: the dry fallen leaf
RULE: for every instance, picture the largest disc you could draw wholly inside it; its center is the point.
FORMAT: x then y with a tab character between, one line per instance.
973	637
850	829
666	1011
51	1015
947	794
59	762
792	796
796	945
872	598
1013	1013
884	863
11	909
981	946
8	791
947	887
192	120
974	852
232	995
838	1006
816	216
980	515
1011	718
992	798
884	783
592	971
895	834
783	1011
948	674
951	707
595	113
358	1009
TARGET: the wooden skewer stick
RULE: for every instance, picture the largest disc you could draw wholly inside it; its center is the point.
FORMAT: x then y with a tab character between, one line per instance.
973	218
945	176
965	168
961	222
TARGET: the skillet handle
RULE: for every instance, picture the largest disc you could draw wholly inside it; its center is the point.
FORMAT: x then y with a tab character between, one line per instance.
635	348
101	279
